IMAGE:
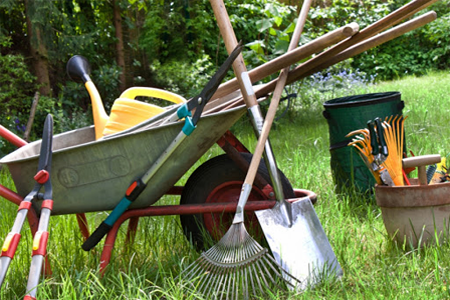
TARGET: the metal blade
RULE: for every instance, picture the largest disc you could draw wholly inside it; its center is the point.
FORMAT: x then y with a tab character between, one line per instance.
46	145
211	87
303	249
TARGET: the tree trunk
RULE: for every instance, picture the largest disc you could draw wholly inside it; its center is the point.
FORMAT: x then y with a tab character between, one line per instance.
38	52
120	52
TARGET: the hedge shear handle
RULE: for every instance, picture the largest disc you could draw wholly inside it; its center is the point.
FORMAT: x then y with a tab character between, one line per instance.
42	179
383	147
136	188
374	145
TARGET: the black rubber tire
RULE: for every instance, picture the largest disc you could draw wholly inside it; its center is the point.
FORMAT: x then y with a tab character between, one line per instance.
211	174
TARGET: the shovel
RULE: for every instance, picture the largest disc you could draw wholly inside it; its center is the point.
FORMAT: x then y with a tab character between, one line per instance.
293	231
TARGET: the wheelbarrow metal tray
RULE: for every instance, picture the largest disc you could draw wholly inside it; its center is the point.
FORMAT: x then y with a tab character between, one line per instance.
89	175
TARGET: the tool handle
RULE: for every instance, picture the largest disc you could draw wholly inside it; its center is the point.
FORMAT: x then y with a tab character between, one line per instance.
133	191
96	236
380	132
106	225
227	32
373	138
421	162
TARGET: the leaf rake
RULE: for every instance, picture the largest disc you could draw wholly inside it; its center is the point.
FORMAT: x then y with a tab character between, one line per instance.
237	267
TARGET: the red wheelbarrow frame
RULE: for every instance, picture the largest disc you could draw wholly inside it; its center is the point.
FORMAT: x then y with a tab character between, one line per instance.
228	142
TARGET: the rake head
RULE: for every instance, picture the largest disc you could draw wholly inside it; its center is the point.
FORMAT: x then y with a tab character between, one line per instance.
237	267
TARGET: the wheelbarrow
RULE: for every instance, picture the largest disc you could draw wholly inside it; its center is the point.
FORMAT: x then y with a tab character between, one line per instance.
88	174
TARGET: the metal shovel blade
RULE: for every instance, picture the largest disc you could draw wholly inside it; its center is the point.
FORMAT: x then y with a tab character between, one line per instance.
303	250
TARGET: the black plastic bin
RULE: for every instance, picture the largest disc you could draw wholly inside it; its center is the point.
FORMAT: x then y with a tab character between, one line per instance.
347	114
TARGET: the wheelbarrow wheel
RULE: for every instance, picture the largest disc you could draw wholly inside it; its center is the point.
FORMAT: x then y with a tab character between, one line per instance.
220	180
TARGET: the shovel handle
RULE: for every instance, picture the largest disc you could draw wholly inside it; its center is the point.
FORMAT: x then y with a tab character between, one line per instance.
227	32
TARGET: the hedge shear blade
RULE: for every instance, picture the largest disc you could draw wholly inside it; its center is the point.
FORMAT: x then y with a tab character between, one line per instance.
199	102
42	178
211	87
184	111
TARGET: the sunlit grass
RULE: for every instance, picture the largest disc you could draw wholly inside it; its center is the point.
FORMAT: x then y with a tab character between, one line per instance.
374	267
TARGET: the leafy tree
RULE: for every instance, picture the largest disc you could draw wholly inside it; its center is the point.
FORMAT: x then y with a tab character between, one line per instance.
17	83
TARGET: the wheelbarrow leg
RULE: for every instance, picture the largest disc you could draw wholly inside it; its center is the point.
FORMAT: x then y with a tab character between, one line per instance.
83	225
109	245
132	229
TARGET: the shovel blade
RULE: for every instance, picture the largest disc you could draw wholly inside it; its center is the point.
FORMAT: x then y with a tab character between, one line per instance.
303	250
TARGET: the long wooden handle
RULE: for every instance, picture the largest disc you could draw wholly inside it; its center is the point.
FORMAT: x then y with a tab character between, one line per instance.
219	101
227	32
264	134
302	70
371	30
290	58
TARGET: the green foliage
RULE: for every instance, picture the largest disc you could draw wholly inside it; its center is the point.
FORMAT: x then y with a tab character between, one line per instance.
178	30
271	26
415	52
17	84
106	78
338	13
182	77
176	45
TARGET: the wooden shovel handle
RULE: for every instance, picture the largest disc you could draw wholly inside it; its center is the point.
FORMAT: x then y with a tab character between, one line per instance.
227	32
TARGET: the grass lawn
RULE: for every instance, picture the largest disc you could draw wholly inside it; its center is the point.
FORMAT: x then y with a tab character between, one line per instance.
374	267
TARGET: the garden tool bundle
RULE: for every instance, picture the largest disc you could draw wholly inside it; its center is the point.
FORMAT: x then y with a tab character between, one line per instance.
237	267
40	239
381	145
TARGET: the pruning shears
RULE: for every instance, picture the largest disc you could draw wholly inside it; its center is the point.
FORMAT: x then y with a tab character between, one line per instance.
40	239
191	112
379	150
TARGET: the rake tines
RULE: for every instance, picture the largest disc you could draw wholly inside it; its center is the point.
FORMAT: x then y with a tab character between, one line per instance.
237	267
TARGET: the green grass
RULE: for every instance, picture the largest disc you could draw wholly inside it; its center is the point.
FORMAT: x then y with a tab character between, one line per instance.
374	267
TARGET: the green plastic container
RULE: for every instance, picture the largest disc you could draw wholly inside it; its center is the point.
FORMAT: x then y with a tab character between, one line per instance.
347	114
